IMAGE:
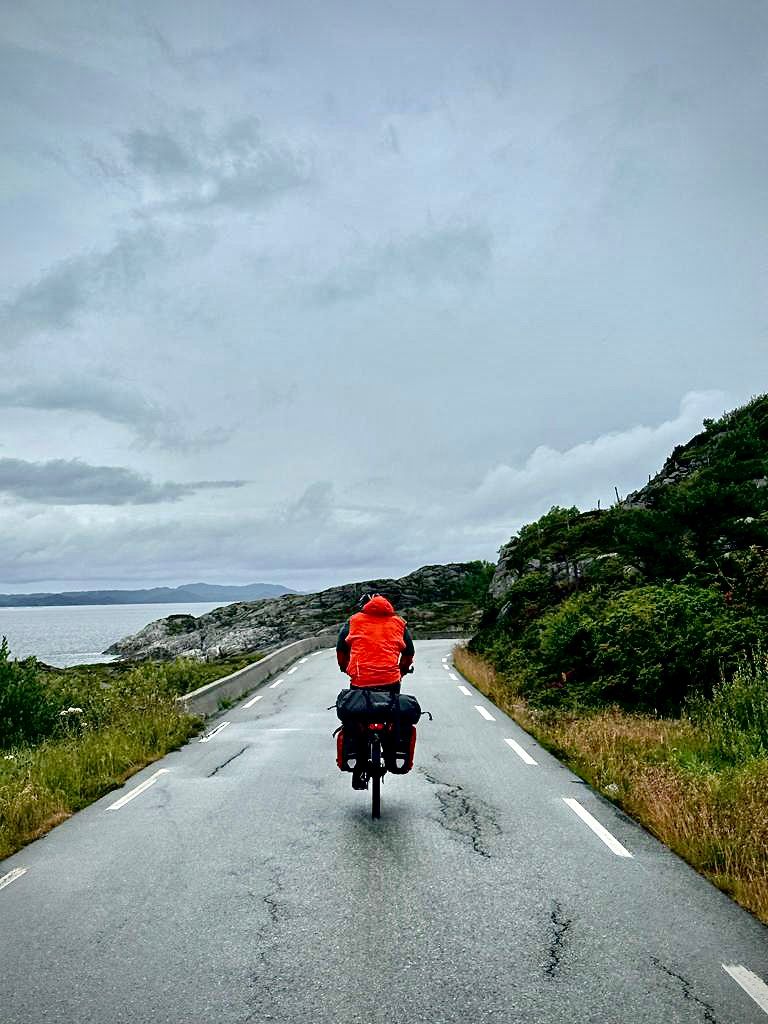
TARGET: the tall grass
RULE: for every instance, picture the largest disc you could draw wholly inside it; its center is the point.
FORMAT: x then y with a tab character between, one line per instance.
99	742
699	783
735	718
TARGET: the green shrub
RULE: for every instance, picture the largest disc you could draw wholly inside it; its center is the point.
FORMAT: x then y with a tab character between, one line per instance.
654	644
647	648
735	717
27	713
475	585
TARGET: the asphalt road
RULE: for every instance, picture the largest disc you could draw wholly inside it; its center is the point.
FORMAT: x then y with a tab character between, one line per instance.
247	882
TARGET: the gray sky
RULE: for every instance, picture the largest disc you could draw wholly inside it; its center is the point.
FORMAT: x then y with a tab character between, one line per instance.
307	291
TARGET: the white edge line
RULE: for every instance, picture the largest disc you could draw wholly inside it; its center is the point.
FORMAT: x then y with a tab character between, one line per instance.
465	691
214	732
314	654
304	661
277	682
252	701
600	831
521	753
486	714
447	667
138	789
453	677
292	670
754	987
12	876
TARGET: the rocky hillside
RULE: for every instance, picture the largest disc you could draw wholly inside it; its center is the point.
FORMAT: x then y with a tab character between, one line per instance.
437	599
649	601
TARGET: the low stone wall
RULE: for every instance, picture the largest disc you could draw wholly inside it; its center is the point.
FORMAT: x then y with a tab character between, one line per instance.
206	699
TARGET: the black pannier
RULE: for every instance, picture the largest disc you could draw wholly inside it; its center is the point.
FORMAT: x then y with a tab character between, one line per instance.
368	704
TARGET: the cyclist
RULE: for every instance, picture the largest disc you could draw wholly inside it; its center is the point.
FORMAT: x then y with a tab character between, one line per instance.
375	649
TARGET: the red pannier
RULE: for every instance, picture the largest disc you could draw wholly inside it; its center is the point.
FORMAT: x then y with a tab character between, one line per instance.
346	750
398	749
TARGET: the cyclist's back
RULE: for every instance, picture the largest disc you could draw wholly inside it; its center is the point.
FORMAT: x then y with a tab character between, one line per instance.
374	646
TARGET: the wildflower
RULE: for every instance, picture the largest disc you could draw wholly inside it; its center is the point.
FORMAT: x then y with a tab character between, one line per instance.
70	711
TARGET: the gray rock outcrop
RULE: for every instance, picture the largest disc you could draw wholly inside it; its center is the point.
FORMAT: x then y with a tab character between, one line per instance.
436	599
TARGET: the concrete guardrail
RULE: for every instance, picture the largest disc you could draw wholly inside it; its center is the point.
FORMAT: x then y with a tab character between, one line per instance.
207	699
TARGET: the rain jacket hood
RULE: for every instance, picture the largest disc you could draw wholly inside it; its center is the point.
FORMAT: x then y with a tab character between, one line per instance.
378	605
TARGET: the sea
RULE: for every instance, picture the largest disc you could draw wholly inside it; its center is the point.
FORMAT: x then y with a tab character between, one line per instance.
79	634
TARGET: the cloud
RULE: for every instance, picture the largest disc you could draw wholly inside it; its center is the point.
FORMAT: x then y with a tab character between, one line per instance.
151	422
55	300
192	168
323	536
449	255
73	482
157	153
314	505
589	471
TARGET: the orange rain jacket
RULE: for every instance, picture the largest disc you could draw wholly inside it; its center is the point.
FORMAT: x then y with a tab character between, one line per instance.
374	647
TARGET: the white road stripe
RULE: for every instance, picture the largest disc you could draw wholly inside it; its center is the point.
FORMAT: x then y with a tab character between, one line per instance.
465	691
277	682
209	736
486	714
304	661
252	701
610	841
12	876
522	754
315	653
138	790
754	987
444	660
453	677
446	667
292	670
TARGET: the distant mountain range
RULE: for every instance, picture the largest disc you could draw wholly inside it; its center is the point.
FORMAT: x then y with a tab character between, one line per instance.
187	593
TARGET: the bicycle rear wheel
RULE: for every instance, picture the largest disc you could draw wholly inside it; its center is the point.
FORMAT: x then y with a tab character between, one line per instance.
375	779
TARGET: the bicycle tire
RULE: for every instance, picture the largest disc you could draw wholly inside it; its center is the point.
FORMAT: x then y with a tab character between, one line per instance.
375	779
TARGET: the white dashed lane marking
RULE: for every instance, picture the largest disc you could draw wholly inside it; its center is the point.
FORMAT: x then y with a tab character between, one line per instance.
214	732
252	701
12	876
315	653
600	831
292	670
277	682
453	677
465	691
304	661
486	714
754	987
139	789
521	753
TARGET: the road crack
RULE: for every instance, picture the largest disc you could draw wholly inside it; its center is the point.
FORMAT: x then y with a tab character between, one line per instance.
687	987
468	819
559	926
225	763
272	906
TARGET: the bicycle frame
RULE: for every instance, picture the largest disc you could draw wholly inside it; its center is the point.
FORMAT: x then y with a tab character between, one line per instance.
376	767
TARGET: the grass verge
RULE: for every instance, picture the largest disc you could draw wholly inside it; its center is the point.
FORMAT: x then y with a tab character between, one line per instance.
103	734
676	777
